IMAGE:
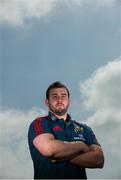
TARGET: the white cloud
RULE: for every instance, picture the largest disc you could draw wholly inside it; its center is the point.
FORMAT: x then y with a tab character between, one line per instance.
91	2
102	95
102	91
105	2
14	153
16	12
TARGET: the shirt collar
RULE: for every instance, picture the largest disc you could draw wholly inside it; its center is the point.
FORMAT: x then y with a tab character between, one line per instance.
54	118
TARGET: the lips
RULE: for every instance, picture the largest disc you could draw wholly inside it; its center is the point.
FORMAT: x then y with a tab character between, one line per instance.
59	104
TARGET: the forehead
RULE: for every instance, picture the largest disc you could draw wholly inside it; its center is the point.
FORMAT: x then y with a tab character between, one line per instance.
58	91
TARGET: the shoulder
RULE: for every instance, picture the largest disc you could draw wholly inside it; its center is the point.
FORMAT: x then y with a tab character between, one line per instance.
82	125
39	122
39	126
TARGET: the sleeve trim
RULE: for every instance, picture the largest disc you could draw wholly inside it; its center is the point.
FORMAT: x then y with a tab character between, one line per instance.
38	126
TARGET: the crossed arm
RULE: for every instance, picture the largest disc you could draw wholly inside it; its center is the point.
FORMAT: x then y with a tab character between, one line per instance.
76	152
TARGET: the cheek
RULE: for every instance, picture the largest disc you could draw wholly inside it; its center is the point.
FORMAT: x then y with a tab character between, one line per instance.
52	103
66	103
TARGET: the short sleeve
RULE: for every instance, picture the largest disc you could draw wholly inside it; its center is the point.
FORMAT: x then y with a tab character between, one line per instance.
91	138
37	127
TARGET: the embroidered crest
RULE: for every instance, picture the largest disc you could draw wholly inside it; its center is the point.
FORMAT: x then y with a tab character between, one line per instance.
78	129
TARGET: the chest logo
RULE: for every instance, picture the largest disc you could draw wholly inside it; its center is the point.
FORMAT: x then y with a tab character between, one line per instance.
78	129
57	128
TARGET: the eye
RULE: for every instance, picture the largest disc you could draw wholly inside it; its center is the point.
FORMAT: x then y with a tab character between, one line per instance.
55	97
64	96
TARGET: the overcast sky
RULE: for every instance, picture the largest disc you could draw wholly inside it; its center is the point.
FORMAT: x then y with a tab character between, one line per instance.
77	42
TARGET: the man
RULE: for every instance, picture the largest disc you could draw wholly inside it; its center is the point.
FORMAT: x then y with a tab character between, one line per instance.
60	147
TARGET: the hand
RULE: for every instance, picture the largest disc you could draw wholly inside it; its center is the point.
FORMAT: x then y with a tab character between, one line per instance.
84	147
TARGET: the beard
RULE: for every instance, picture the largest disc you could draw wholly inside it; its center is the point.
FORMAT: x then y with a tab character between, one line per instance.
60	111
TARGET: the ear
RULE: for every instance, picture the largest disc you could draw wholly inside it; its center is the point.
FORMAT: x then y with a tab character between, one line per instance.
46	102
69	100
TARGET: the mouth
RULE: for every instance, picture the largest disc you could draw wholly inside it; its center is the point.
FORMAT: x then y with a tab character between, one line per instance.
60	105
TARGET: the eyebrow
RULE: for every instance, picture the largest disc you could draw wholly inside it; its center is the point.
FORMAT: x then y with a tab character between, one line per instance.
57	94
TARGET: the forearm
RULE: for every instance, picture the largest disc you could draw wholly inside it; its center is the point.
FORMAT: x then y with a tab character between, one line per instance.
64	150
57	149
91	159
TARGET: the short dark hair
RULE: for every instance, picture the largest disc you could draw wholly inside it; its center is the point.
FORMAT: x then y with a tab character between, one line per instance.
56	84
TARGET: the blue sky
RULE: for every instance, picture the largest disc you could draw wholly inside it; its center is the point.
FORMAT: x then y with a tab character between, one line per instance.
74	41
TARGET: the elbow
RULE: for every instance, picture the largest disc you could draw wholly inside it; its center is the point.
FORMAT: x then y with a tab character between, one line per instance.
100	165
100	159
44	148
100	162
47	151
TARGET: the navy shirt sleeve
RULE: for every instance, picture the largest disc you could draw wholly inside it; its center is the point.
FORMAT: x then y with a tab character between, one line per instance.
39	126
91	138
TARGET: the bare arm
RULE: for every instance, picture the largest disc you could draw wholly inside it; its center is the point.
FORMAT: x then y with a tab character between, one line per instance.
57	149
91	159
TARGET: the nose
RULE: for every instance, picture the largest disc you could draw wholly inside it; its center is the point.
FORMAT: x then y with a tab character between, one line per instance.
59	99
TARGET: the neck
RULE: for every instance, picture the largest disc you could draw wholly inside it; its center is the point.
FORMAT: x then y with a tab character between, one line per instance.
60	117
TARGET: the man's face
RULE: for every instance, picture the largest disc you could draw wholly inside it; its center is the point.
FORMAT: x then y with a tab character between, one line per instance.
58	101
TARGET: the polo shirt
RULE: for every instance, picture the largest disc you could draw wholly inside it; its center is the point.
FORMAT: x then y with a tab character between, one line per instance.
68	130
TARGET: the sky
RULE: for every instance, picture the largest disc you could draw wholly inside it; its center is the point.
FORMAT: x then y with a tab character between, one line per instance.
77	42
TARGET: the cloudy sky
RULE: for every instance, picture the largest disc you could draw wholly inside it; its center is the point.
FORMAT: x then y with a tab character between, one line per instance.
77	42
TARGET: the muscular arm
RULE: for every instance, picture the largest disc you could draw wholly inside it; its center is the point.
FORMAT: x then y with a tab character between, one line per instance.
91	159
57	149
